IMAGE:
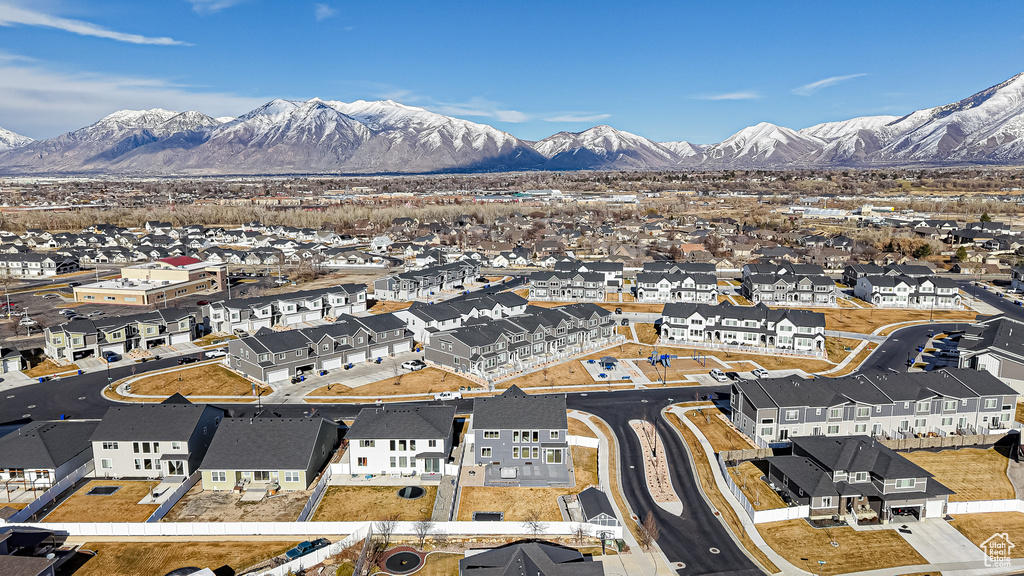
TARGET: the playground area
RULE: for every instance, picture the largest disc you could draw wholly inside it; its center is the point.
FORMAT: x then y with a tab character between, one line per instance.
674	367
608	369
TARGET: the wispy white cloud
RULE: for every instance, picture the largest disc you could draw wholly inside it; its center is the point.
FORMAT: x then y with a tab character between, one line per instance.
323	12
808	89
578	118
39	101
742	95
11	15
212	6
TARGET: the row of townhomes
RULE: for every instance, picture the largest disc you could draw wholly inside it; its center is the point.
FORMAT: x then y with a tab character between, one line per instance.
726	325
990	345
171	441
884	404
568	286
788	285
274	356
909	292
426	282
612	271
489	348
88	337
427	319
251	314
677	282
33	264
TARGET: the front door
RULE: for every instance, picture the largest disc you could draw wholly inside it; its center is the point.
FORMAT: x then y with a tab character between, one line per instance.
431	465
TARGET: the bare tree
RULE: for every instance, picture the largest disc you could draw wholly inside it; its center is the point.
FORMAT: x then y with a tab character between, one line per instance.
422	529
385	528
534	523
579	532
396	368
648	532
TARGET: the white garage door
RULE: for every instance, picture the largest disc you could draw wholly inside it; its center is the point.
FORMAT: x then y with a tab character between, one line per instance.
277	375
403	347
357	357
112	347
379	353
183	338
933	509
332	364
292	319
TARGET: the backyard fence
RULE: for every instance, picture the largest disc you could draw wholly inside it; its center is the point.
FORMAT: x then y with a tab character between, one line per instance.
982	506
762	516
318	493
175	497
318	556
950	441
747	454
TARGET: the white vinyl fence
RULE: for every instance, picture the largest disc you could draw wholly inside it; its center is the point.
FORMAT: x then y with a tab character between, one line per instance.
980	506
318	492
762	516
584	441
54	491
174	497
310	560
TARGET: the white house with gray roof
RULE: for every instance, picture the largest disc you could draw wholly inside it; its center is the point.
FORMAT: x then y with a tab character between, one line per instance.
909	292
992	345
726	325
39	454
289	309
404	440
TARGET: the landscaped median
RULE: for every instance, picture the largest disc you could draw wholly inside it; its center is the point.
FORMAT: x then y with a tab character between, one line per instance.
207	381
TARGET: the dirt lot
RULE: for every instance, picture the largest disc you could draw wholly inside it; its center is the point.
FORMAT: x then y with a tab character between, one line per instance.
974	474
719	434
710	488
836	348
748	477
48	367
980	527
857	551
1020	412
200	505
385	306
203	380
646	333
765	360
866	320
357	503
568	373
425	381
121	506
516	503
154	558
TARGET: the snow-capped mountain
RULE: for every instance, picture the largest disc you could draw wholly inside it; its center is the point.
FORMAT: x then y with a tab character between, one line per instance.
10	140
604	147
325	136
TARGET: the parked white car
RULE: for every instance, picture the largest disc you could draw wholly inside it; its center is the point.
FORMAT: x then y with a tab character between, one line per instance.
442	396
218	353
760	373
718	375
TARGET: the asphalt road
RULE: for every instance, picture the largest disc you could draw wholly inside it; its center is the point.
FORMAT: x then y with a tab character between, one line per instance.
1004	305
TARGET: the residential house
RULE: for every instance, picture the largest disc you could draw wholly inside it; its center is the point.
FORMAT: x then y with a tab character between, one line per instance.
162	440
91	337
676	287
612	271
268	453
425	319
405	440
596	508
522	439
907	292
686	323
887	404
1017	278
534	558
11	360
426	282
991	346
40	454
34	264
557	286
289	309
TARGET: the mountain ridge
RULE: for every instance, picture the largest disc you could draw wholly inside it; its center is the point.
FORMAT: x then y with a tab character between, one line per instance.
370	137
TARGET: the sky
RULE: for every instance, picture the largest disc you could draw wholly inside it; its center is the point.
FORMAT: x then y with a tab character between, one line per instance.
675	70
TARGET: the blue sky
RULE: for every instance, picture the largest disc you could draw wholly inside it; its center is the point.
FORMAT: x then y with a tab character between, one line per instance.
696	71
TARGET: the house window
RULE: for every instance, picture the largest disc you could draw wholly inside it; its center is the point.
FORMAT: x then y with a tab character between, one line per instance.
175	445
923	406
860	428
767	431
553	456
906	482
920	422
394	462
515	452
138	464
833	429
826	501
431	443
554	434
792	414
991	403
361	461
367	443
493	435
863	412
860	477
949	405
291	476
106	463
110	445
485	452
218	476
536	436
947	421
835	413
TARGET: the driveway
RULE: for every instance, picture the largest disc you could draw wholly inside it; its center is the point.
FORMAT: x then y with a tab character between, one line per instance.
940	543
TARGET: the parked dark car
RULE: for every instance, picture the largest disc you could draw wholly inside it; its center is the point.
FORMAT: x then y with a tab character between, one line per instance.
625	321
303	548
618	310
111	356
202	303
73	284
187	360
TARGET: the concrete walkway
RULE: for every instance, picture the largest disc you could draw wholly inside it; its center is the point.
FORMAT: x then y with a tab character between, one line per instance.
948	569
849	358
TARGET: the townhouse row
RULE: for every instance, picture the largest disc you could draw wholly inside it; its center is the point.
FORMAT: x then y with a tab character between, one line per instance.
757	326
427	282
289	309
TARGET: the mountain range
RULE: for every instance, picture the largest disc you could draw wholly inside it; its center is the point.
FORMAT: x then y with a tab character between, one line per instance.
331	137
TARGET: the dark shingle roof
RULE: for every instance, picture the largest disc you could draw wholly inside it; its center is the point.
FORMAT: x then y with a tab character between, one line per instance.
517	409
45	445
265	443
528	558
150	422
403	422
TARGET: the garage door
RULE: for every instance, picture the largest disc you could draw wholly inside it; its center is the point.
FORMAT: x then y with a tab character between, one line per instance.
183	338
403	347
292	319
119	348
277	375
379	353
332	364
933	509
357	357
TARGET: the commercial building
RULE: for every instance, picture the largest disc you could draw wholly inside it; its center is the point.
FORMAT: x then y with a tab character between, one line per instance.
156	282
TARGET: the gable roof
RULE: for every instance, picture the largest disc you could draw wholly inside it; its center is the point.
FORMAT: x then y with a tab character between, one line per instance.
266	443
45	444
420	422
517	409
150	422
528	558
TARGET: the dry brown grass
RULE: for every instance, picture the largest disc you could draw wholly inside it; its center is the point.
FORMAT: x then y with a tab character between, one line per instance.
748	477
719	434
706	477
624	331
518	503
855	363
211	379
210	339
741	300
577	428
163	557
836	348
973	473
857	551
357	503
199	505
385	306
425	381
47	368
567	373
646	333
441	564
1019	417
980	527
866	320
121	506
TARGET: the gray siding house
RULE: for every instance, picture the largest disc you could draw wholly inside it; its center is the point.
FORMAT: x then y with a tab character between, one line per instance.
522	439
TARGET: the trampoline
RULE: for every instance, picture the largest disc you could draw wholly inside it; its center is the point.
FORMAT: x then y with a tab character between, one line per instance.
411	492
402	562
102	490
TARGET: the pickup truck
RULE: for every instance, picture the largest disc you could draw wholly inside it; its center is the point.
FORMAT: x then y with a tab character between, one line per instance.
442	396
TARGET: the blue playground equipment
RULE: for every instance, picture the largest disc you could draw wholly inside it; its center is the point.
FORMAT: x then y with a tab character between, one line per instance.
664	359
